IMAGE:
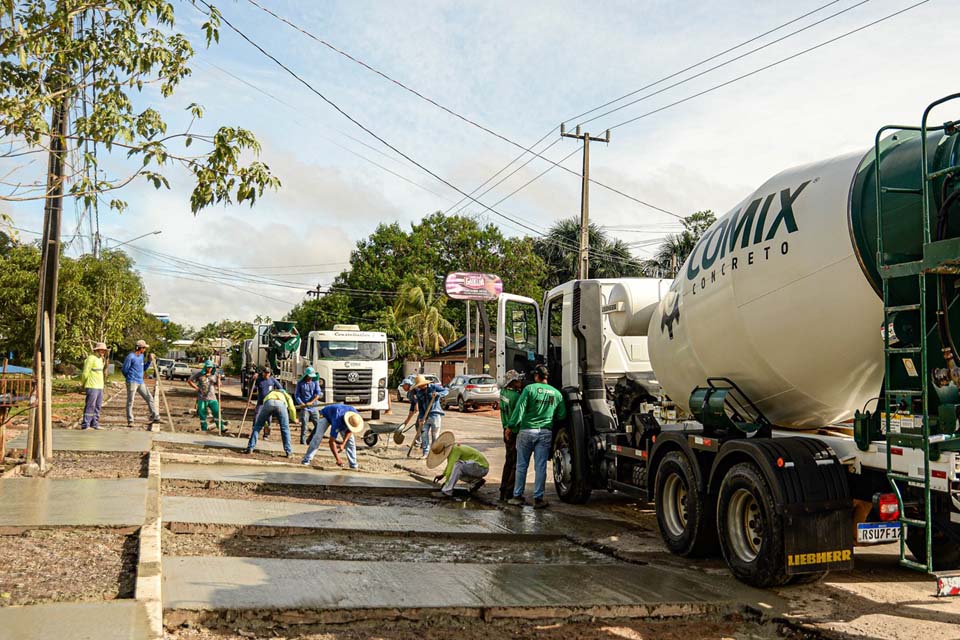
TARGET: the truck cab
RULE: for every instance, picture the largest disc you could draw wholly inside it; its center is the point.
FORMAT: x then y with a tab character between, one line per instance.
352	365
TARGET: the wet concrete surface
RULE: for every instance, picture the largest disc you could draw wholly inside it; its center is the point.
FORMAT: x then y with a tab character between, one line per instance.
38	502
291	475
331	545
227	441
214	583
448	519
120	620
131	440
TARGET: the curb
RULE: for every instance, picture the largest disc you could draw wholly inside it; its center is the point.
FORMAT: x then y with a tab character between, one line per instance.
149	565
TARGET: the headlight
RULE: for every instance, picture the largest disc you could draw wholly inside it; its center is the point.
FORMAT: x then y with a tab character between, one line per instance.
382	383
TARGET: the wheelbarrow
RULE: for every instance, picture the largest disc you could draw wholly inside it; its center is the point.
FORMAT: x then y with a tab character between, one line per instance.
372	435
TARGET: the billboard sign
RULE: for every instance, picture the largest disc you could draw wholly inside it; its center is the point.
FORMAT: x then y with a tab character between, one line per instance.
473	286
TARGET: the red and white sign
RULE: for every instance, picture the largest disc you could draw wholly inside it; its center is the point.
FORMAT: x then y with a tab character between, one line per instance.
473	286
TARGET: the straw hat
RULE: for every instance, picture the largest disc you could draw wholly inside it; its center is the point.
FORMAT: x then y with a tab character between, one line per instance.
354	421
100	346
440	449
420	381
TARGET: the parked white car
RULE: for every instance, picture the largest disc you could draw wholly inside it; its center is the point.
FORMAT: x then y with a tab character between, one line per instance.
179	371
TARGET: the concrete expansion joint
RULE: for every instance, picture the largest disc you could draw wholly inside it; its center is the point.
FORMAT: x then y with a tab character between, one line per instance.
149	582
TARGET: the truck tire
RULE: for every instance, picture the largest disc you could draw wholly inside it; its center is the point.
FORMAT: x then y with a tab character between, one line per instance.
375	414
371	439
749	529
685	515
571	488
946	552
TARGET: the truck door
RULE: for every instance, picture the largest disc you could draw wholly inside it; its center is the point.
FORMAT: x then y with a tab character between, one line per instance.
518	333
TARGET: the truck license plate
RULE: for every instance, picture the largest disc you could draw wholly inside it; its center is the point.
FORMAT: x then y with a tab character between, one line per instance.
870	532
352	399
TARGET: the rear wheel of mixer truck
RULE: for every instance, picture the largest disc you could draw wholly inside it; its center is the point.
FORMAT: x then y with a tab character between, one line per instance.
685	514
749	528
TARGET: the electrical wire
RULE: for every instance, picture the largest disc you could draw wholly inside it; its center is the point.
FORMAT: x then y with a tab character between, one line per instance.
422	97
771	65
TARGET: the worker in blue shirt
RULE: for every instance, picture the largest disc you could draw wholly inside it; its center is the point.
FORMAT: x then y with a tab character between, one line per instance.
265	383
426	401
307	395
344	421
133	369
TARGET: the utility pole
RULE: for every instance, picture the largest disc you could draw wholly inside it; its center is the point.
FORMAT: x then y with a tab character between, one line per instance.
584	261
316	293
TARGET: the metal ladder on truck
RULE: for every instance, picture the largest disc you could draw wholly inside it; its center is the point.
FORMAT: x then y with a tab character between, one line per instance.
892	267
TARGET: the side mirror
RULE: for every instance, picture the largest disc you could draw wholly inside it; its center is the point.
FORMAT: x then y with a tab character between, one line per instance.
393	351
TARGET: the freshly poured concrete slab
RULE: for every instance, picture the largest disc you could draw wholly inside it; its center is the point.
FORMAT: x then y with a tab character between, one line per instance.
302	476
218	583
439	520
115	620
39	502
133	440
226	442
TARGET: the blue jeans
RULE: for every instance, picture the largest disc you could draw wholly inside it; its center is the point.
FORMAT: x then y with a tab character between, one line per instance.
91	408
316	437
537	442
271	408
431	429
309	414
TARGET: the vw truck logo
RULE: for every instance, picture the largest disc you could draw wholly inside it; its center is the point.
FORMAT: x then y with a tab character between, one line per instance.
353	376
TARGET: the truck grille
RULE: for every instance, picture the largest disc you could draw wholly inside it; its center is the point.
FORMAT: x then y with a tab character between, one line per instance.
343	387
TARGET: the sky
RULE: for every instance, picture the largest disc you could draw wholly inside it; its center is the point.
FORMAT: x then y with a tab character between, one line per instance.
518	69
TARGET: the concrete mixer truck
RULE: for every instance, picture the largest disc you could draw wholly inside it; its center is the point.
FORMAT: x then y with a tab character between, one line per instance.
793	392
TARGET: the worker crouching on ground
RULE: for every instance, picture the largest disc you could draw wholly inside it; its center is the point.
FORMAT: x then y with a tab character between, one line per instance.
536	409
508	400
307	396
344	421
92	379
463	463
277	403
206	383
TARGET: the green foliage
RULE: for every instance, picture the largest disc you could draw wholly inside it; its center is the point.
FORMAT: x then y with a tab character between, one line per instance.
609	258
97	300
103	54
418	313
208	337
392	257
676	247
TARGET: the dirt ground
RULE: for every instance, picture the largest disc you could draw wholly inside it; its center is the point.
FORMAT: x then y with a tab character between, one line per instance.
70	464
374	547
446	628
57	565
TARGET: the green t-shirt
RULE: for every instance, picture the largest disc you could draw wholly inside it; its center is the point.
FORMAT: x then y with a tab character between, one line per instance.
537	407
465	453
508	400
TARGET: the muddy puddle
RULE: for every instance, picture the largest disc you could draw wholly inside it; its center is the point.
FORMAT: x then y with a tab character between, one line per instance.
379	547
320	495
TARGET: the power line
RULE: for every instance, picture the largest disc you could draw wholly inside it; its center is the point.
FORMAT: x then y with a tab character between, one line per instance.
722	64
422	97
704	61
773	64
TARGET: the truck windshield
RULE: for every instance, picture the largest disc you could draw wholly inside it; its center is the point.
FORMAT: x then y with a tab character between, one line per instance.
347	350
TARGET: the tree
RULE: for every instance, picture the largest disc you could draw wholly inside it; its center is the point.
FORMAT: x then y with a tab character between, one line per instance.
675	248
420	311
101	54
206	341
609	258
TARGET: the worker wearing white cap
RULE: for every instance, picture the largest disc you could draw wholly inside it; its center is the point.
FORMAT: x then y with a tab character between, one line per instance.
92	379
463	462
133	373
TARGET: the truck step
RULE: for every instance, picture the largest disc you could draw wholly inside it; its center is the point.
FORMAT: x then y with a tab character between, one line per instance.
903	307
919	524
912	564
904	392
900	477
903	349
917	192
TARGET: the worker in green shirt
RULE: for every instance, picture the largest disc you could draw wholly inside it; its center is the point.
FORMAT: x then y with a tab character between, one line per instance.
536	409
508	400
92	379
463	462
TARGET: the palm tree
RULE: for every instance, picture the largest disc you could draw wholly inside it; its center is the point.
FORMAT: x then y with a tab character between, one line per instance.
419	310
608	258
676	247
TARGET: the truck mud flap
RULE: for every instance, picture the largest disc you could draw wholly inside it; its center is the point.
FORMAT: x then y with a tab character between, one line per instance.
816	541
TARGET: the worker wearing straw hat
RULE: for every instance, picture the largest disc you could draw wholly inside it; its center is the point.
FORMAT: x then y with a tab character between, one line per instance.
344	421
426	398
92	379
463	462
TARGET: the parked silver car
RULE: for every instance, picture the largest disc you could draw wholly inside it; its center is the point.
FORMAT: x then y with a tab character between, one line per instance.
472	391
179	371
